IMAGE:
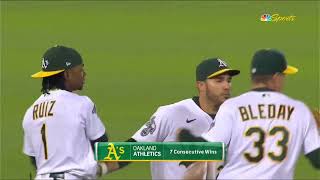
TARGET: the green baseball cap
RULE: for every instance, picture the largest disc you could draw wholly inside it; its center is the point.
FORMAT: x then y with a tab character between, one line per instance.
270	61
212	67
57	59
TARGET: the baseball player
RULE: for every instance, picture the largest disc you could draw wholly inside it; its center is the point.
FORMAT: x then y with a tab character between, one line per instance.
264	129
197	114
60	127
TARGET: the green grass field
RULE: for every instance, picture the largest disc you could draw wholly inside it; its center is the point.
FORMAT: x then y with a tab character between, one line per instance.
140	55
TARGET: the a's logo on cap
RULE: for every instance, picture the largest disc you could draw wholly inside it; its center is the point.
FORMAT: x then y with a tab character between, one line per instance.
222	63
45	63
68	63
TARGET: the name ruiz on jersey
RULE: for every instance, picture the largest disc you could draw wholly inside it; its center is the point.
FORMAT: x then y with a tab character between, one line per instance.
43	109
266	111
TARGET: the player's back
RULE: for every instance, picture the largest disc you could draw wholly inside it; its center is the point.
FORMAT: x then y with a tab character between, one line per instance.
269	130
55	133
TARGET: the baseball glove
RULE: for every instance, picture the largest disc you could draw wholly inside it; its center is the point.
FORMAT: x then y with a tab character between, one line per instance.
316	115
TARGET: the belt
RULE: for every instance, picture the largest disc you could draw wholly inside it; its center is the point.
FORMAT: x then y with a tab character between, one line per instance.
57	175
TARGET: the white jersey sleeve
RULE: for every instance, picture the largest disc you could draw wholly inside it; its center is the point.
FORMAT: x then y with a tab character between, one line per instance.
312	136
93	126
27	142
27	146
155	130
222	130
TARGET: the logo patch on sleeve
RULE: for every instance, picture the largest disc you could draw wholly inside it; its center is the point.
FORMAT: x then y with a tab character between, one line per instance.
150	127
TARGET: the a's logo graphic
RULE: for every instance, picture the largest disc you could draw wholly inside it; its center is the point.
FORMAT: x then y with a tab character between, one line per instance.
114	152
68	63
45	63
266	18
151	127
190	120
222	63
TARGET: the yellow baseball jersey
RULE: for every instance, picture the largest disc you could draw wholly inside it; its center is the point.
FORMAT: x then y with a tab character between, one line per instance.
265	132
163	126
57	131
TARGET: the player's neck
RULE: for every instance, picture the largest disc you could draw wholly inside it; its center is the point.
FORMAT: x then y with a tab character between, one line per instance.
262	85
207	106
69	87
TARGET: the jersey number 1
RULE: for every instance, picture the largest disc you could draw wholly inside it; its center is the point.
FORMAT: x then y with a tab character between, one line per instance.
259	144
44	140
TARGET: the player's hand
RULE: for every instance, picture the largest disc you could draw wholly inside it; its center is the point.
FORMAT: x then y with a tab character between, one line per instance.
197	170
186	163
104	168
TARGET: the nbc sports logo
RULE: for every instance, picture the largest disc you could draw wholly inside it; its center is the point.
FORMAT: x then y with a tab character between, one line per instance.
266	18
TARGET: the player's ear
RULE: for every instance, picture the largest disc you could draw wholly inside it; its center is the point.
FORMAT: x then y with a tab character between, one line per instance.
66	74
277	81
200	85
278	75
274	78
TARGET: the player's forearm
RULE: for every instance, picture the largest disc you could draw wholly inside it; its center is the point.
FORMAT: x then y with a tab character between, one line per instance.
103	138
186	136
124	164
